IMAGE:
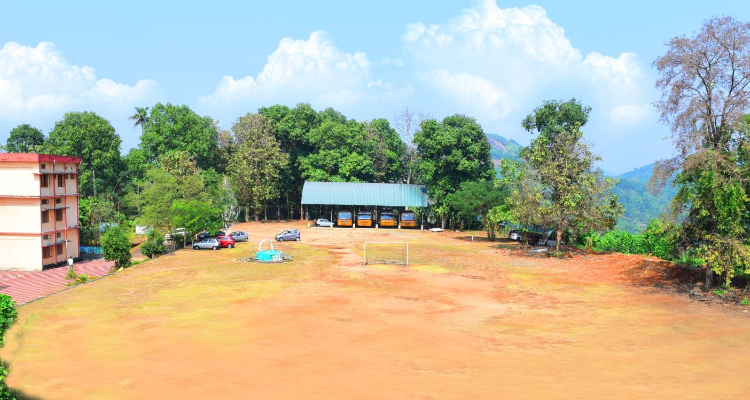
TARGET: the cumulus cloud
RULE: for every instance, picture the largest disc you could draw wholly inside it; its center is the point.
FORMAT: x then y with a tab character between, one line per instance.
500	62
37	82
301	70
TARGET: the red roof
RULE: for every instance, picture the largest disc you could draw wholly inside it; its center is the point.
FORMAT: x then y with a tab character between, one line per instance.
29	157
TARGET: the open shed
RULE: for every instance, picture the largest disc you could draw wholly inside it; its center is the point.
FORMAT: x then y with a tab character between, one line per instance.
358	194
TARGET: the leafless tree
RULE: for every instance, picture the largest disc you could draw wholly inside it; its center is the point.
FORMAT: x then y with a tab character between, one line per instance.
704	90
407	122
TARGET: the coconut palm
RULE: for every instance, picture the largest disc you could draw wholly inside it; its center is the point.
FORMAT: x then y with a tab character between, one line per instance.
140	117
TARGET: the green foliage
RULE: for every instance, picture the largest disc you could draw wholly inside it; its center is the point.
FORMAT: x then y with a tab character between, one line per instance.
556	254
169	128
196	215
453	151
558	186
116	247
477	199
745	302
74	279
154	245
621	242
660	239
257	163
92	213
24	139
8	315
91	137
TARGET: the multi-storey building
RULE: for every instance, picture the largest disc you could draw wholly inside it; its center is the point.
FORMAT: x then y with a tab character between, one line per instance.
38	210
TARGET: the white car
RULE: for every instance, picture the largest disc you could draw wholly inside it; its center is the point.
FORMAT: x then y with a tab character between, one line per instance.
323	222
514	235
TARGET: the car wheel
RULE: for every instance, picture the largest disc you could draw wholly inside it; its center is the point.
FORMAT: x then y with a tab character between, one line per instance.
298	239
195	247
230	246
214	248
280	239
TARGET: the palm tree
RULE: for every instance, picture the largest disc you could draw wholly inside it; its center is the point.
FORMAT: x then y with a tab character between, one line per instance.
140	117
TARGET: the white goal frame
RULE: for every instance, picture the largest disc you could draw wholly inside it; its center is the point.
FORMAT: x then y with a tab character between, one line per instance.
364	258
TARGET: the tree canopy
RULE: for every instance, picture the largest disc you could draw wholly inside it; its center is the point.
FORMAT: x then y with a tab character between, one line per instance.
24	139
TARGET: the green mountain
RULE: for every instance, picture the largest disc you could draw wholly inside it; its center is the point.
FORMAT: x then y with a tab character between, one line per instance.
640	205
503	148
632	190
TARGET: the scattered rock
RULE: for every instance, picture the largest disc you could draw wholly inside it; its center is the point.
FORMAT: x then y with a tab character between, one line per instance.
697	294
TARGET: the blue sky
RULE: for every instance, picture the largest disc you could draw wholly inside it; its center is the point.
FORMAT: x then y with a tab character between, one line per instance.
495	60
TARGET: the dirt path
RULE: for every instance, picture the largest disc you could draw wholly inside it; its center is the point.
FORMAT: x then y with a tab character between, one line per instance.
468	320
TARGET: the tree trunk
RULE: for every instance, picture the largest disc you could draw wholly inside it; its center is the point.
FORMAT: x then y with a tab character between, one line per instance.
301	212
247	213
265	211
709	278
559	237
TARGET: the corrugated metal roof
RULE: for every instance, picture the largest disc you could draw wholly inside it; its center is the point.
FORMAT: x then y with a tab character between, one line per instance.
365	194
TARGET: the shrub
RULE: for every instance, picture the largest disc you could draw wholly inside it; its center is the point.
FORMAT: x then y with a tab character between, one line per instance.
154	245
660	239
116	247
621	242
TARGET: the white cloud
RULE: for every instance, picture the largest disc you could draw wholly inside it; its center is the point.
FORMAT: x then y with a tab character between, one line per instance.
299	70
517	57
478	93
38	82
392	61
632	114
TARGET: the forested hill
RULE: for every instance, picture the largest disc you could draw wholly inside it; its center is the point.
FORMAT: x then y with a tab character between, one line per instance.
502	147
640	205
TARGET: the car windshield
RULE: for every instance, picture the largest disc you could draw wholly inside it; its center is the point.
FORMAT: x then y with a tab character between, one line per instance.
345	215
407	217
364	215
387	216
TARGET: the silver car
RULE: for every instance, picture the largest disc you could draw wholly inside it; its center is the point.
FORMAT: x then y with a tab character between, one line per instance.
323	222
209	243
239	236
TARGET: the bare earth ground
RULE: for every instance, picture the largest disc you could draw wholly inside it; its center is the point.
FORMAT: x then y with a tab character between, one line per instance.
468	320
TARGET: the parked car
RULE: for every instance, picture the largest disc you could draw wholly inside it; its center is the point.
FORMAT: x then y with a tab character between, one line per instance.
208	243
239	236
514	235
225	241
205	235
553	243
323	222
289	234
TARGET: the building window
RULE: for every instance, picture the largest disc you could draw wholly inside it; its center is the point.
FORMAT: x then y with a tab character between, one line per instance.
58	215
59	235
44	166
45	217
45	201
58	201
61	181
46	252
45	237
71	176
58	249
45	180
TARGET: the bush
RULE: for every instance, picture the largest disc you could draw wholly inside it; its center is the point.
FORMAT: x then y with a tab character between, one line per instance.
154	245
116	247
8	315
660	239
621	242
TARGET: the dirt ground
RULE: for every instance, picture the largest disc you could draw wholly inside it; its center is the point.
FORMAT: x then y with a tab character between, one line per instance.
466	320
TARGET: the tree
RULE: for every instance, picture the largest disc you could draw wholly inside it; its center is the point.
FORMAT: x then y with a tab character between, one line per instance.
140	118
386	150
172	128
24	139
559	187
407	122
116	247
453	151
91	137
94	212
257	163
704	94
477	199
154	245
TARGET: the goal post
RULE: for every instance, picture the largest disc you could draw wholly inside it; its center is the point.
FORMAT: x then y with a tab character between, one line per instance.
386	253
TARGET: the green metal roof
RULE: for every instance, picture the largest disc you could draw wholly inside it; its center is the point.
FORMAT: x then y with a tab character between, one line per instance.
364	194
